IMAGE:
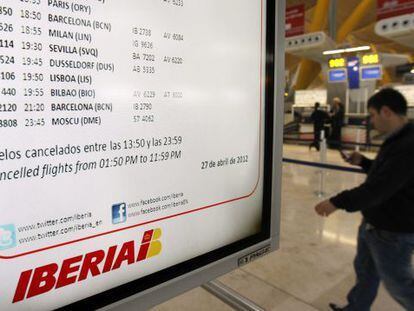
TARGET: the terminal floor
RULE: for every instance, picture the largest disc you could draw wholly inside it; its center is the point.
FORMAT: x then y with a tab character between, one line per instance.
314	263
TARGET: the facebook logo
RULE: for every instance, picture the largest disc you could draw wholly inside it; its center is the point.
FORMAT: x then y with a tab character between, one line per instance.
119	213
7	237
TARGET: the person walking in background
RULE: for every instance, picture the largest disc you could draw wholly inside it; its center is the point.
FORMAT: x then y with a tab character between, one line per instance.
318	117
337	122
386	199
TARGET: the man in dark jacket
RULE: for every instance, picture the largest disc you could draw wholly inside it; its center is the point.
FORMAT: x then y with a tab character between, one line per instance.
337	122
386	199
318	117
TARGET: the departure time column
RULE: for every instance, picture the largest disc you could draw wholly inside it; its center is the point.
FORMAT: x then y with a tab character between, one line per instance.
32	70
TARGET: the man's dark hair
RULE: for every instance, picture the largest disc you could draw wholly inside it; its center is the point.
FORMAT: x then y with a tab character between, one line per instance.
390	98
317	105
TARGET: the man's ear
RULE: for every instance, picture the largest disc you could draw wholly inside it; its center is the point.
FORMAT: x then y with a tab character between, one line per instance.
386	111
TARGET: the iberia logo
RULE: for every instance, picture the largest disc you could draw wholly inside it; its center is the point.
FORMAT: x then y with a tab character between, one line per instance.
43	279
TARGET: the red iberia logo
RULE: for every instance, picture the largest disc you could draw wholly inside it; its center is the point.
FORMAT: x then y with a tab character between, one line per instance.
43	279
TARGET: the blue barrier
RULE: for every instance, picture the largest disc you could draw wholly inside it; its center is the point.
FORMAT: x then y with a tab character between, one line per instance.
340	142
326	166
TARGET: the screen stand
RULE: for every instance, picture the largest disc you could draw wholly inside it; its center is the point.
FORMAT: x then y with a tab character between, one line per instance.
230	297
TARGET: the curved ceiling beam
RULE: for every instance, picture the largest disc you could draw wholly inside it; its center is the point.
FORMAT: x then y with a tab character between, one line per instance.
386	77
354	19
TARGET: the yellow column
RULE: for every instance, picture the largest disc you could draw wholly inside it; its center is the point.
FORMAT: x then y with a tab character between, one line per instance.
353	20
319	16
308	69
386	78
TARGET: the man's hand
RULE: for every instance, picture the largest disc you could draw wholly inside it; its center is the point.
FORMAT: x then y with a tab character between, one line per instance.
355	158
325	208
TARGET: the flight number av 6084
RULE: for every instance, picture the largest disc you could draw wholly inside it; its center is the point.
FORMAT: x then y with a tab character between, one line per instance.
173	36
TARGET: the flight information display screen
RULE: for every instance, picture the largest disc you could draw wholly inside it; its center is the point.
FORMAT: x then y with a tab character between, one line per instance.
337	75
371	72
132	140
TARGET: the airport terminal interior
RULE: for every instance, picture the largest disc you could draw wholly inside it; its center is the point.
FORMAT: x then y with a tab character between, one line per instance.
314	264
323	40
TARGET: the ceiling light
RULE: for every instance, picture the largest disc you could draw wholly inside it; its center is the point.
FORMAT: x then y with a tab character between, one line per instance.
330	52
347	50
357	49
